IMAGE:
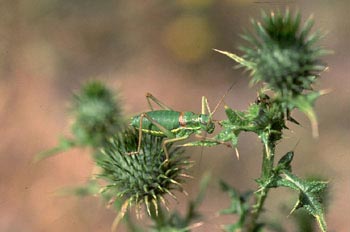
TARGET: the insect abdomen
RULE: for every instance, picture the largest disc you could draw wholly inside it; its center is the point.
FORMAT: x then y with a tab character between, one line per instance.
167	118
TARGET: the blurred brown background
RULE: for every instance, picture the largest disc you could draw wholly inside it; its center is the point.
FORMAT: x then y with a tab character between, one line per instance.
48	48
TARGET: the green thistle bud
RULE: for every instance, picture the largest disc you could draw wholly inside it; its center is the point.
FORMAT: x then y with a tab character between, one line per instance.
283	54
97	114
144	178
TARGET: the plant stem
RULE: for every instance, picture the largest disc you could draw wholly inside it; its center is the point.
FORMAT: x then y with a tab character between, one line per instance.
261	194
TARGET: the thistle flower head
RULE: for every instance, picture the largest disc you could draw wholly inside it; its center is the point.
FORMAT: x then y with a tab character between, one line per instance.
142	178
283	53
97	114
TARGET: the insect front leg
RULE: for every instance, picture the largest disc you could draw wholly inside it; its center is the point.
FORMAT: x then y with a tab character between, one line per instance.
205	106
152	98
173	140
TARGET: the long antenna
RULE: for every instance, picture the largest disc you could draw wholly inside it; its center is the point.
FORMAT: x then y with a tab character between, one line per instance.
222	98
212	113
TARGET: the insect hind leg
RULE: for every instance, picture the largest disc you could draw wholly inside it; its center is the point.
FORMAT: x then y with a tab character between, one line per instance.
140	136
150	98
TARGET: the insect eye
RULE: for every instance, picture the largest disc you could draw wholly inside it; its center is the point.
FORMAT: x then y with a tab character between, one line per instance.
200	119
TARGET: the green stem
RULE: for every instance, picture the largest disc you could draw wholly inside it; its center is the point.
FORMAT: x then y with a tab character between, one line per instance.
64	145
260	196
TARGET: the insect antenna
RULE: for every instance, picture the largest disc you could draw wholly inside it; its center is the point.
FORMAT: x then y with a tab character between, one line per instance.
205	104
222	99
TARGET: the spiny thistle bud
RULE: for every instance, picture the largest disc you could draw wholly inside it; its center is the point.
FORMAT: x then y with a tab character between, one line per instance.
144	177
97	114
283	54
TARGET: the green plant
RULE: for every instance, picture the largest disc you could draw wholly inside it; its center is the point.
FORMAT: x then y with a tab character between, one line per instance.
285	58
282	56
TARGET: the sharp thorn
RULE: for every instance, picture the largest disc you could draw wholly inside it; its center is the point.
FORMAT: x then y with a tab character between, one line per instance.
237	153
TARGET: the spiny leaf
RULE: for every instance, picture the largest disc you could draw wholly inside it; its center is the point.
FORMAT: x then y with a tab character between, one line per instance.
310	195
305	103
265	118
285	162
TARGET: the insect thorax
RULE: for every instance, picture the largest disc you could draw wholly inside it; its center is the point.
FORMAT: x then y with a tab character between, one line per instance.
200	122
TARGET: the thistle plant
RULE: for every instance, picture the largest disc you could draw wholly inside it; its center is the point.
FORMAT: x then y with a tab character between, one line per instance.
141	164
284	57
282	54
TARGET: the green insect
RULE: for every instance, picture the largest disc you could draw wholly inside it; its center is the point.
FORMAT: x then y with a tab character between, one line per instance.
174	125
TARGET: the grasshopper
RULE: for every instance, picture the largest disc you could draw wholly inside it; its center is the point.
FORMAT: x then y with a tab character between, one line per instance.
174	125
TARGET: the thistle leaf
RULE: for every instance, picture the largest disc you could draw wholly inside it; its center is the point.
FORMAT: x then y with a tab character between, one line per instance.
305	103
285	162
310	196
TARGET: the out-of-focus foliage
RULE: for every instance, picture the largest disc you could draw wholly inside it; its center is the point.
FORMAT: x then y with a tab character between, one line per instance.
97	116
239	206
174	222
